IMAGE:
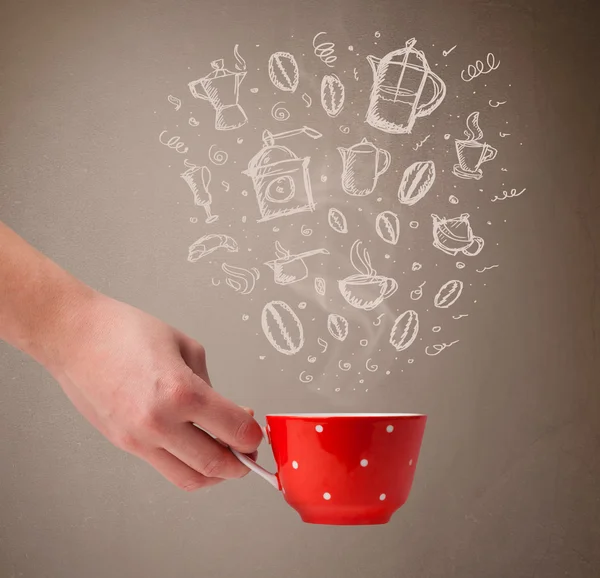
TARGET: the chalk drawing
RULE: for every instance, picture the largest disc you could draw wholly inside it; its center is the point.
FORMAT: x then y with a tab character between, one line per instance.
240	62
416	182
221	89
448	294
202	196
288	268
333	95
446	52
283	71
344	129
305	377
460	265
416	294
282	186
337	221
486	268
416	266
311	359
217	156
421	143
307	100
405	330
504	134
363	342
344	365
174	143
324	51
377	321
305	231
413	224
497	103
323	344
215	284
280	113
460	316
355	74
338	327
174	101
320	285
193	122
282	327
239	279
209	244
436	329
372	367
362	165
400	80
225	186
453	200
508	195
365	290
474	70
439	347
455	235
387	226
472	152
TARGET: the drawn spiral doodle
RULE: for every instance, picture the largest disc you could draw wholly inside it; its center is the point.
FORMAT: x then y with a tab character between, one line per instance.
344	129
324	51
217	157
280	113
305	231
193	122
305	377
174	101
344	365
475	70
371	366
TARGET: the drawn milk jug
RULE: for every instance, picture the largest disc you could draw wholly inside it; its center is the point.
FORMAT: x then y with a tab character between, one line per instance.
404	89
363	164
455	235
221	88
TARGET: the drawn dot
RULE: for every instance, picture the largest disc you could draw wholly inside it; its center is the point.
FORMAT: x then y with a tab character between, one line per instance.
295	464
364	463
460	265
361	381
377	34
436	329
382	497
327	496
388	372
319	428
389	428
302	305
245	317
337	389
350	48
413	224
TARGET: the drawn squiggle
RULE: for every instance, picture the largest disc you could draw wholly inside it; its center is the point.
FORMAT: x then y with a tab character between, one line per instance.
446	52
323	344
306	232
355	74
311	359
324	51
225	186
420	144
217	157
307	100
280	113
344	365
175	101
239	279
372	367
305	377
416	294
504	134
508	195
460	316
174	143
215	284
477	69
498	103
439	347
377	322
241	63
344	129
486	268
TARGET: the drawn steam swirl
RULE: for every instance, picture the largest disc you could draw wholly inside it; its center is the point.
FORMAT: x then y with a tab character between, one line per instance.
217	157
372	367
280	113
344	365
324	51
305	377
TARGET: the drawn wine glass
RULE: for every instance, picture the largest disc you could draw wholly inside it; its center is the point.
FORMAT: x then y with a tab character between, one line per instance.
202	197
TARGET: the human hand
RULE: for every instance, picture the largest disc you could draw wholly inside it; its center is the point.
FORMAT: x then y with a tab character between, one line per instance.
144	384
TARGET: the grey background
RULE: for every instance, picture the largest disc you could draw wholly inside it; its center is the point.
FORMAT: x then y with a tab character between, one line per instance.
509	477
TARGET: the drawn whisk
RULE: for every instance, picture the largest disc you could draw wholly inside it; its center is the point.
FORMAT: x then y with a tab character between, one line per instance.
324	51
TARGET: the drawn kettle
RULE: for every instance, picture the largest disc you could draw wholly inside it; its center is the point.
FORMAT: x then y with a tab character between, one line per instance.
222	88
404	89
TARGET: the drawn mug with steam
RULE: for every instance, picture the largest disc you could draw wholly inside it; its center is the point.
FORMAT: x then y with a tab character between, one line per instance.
363	164
453	236
472	153
343	469
288	268
365	290
221	89
402	80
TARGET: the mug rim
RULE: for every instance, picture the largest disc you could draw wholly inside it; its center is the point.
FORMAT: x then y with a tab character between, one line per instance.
346	415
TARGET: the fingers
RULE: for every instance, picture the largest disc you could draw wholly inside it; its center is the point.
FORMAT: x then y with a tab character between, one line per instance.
202	453
177	472
194	356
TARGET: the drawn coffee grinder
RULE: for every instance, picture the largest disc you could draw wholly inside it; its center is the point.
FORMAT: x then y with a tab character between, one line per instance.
221	89
472	152
404	89
280	178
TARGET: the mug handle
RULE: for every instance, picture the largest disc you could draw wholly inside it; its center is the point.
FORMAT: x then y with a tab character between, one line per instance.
386	162
491	156
439	92
392	286
252	465
479	242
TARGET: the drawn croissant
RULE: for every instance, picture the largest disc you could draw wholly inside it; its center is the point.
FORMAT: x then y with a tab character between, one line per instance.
209	244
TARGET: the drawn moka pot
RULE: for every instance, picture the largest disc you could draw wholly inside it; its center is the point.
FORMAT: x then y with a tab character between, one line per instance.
221	88
453	236
280	178
404	89
363	164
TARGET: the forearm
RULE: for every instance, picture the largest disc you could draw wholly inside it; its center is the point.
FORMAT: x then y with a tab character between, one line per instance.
39	301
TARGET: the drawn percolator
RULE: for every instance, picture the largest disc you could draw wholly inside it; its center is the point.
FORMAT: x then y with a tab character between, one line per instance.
402	80
280	178
221	88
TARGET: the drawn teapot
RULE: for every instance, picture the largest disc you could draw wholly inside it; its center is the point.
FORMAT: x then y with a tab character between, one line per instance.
363	164
453	236
404	89
221	88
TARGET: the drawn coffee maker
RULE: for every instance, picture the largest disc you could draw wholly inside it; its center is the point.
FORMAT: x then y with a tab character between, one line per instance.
363	164
404	89
222	88
288	268
280	178
472	153
454	236
365	290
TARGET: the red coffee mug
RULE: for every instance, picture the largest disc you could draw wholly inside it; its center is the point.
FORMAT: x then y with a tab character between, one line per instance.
343	469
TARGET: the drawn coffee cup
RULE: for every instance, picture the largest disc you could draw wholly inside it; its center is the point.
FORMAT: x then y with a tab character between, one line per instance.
363	164
471	155
455	235
365	290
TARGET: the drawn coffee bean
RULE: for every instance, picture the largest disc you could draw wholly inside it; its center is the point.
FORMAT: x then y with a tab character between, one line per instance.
405	330
320	285
387	226
448	294
282	327
332	95
337	221
416	182
283	71
337	326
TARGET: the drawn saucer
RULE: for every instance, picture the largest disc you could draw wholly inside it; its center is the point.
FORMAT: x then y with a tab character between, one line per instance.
461	173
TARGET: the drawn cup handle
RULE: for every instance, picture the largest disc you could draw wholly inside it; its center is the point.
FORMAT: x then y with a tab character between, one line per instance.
439	92
489	153
386	161
252	465
479	242
390	288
